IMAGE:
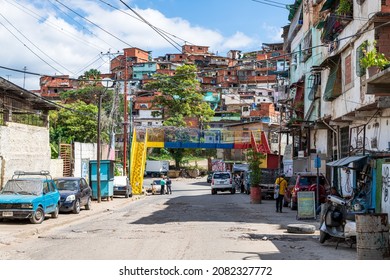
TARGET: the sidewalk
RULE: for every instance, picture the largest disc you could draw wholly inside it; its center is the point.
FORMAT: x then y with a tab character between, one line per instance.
10	231
286	218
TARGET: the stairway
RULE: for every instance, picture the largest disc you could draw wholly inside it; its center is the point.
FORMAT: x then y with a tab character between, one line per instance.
138	160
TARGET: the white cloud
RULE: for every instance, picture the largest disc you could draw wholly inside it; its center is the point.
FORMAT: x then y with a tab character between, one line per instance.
63	46
273	33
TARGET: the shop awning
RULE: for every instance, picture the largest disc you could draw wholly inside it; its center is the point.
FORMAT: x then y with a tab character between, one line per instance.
345	161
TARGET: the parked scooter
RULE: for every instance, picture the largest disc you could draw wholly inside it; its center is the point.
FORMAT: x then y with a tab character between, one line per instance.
337	221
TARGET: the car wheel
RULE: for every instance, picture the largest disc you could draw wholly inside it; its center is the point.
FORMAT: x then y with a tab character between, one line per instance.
38	216
88	205
127	194
323	236
56	212
131	194
76	207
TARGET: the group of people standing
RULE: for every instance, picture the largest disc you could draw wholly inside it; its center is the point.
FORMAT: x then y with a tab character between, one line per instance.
166	181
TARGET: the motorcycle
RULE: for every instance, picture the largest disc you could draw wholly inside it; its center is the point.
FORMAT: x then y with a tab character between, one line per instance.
337	221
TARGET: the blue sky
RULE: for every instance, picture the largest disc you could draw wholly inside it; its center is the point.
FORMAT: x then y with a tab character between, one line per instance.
48	38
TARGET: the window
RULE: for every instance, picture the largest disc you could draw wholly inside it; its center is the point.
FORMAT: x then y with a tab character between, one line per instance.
360	71
348	70
45	187
344	141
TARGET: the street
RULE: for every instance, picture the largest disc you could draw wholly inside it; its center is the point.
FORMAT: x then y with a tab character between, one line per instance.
189	224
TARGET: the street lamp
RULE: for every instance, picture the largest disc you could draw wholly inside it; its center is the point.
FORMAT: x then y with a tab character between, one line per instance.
107	83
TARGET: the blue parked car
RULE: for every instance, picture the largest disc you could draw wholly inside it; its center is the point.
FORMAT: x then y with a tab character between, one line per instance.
75	193
29	195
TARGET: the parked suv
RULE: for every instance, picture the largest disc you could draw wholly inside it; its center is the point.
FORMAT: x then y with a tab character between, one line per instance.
222	181
307	181
29	195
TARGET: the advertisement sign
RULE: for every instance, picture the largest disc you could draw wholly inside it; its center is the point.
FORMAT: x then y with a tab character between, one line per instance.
306	205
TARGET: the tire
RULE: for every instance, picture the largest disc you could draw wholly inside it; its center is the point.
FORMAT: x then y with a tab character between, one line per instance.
76	207
323	236
88	204
127	194
54	214
38	216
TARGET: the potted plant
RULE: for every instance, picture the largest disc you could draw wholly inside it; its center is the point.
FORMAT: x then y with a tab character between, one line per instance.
344	8
254	161
373	60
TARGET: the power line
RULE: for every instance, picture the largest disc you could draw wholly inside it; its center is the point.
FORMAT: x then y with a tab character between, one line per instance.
277	5
169	40
33	44
82	26
29	49
170	34
41	18
94	24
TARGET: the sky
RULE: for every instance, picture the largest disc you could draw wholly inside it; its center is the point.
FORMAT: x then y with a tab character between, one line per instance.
69	37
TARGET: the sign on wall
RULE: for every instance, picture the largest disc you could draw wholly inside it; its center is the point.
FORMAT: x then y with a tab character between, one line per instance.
385	205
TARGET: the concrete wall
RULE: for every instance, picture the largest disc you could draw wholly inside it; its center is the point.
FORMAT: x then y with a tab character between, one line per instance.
23	147
83	153
57	167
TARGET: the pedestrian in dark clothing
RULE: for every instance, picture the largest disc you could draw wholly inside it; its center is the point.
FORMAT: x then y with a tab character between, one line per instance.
162	183
169	186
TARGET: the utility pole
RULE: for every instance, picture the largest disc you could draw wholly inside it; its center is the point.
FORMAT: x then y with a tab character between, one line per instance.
125	121
125	117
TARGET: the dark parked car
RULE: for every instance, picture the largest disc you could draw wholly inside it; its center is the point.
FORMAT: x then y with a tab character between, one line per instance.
122	186
75	193
29	195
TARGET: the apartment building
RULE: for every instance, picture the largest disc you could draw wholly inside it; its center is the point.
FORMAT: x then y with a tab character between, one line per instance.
333	107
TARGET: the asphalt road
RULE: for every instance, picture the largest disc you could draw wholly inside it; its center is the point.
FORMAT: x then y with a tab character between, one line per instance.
189	224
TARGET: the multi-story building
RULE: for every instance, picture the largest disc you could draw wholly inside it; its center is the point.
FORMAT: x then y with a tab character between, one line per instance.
342	112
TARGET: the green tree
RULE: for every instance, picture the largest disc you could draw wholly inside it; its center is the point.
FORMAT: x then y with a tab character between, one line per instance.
180	98
255	159
77	121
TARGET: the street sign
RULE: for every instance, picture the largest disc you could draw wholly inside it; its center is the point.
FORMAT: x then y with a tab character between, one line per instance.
306	205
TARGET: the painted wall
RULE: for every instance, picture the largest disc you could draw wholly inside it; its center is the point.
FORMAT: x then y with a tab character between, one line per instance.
23	147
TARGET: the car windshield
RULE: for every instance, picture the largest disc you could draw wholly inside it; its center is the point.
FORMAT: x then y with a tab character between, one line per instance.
26	187
221	176
156	182
67	185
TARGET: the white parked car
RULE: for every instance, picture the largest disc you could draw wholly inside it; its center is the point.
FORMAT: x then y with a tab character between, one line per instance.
222	181
122	186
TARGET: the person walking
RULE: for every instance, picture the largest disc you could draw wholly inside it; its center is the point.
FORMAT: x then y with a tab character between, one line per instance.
162	184
169	186
280	190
